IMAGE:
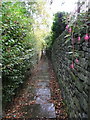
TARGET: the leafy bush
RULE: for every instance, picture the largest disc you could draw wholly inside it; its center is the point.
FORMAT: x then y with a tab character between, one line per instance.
57	28
58	25
19	44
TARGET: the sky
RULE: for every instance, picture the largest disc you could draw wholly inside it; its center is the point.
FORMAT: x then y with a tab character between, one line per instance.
60	6
63	5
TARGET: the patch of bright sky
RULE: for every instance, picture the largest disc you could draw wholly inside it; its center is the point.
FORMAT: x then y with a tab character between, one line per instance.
62	5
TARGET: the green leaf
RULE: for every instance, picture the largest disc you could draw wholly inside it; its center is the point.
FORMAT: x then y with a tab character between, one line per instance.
67	36
67	40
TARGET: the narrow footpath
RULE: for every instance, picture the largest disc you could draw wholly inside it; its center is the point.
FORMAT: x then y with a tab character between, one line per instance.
41	96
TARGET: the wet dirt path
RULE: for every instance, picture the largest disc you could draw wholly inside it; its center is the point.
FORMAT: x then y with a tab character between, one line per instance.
37	99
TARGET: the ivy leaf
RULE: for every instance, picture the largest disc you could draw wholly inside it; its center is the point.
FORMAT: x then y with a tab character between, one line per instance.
67	36
67	40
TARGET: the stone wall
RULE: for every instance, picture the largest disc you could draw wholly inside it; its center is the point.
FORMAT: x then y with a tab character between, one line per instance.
73	82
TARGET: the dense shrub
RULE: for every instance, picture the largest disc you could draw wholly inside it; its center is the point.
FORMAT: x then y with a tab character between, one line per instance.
58	25
57	28
19	44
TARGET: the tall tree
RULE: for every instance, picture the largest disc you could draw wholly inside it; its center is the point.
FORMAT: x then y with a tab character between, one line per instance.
58	25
